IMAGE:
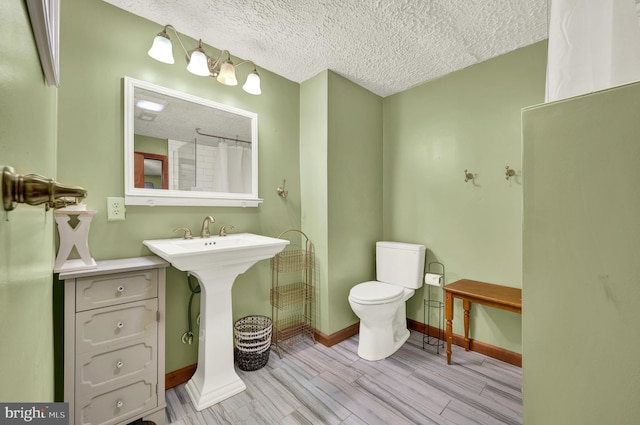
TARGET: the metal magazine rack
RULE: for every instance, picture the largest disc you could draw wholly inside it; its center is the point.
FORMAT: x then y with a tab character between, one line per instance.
292	293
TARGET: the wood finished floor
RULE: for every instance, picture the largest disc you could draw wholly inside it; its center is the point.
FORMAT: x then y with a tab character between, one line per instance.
314	384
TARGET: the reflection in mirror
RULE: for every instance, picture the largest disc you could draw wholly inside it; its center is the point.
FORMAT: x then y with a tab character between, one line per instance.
151	171
185	150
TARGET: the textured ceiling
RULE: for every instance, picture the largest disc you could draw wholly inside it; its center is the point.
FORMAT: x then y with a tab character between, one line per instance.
385	46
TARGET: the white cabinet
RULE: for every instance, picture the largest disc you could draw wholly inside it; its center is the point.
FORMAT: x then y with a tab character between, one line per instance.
114	342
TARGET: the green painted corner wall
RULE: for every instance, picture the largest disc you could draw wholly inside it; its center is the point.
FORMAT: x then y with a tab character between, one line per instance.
28	112
581	238
313	183
341	170
355	192
469	119
90	151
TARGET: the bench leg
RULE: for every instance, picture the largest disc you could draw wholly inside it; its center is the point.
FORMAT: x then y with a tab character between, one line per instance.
466	305
448	314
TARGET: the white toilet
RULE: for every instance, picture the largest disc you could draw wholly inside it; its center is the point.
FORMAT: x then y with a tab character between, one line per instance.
381	304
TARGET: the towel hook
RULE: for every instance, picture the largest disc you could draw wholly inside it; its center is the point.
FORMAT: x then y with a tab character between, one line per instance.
467	176
281	190
510	172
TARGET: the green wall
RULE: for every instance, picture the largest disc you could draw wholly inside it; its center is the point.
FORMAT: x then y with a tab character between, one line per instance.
581	272
354	165
342	203
28	143
150	145
469	119
314	112
100	45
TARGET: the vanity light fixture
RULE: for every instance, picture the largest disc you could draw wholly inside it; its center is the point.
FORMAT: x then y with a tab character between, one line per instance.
199	63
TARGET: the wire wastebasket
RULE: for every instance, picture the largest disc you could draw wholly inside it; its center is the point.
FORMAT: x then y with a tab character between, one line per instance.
252	336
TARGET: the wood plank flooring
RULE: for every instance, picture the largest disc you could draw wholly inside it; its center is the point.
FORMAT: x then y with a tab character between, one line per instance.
314	384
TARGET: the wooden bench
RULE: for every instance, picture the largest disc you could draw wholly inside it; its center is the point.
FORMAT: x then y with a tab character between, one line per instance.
471	291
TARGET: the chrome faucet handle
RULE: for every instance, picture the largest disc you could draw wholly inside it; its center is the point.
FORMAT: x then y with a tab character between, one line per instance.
187	232
223	229
205	226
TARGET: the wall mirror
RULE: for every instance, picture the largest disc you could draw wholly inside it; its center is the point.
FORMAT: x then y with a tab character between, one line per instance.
180	149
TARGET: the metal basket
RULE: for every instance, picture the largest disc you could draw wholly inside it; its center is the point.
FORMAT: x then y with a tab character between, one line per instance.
252	336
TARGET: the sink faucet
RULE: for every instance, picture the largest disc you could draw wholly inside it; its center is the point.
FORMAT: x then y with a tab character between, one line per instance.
205	226
187	232
223	229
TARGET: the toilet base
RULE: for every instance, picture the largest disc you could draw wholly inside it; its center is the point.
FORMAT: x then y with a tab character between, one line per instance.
372	347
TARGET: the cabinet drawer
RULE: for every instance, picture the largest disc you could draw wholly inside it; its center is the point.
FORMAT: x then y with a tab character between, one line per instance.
110	326
114	406
101	291
96	371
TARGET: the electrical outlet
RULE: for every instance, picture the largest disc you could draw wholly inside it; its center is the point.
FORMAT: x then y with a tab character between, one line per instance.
115	209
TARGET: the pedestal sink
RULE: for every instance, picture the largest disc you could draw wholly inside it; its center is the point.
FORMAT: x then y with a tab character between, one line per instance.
216	262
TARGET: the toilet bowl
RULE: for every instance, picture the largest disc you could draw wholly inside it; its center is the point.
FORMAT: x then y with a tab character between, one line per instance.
382	318
381	304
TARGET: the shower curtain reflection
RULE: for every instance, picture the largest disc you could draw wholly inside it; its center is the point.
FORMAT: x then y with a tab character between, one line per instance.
210	165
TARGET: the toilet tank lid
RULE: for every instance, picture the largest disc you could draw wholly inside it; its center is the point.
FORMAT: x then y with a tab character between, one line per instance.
400	245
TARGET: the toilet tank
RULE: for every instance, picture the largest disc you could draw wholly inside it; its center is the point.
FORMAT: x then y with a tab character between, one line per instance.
400	263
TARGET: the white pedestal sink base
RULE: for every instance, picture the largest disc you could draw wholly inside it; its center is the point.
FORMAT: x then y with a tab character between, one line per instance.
216	262
215	378
201	400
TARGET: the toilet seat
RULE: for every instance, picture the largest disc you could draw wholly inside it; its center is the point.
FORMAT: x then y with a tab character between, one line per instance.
374	292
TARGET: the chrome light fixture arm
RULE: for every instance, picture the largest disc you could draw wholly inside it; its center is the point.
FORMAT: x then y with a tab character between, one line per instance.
164	34
255	69
246	61
214	66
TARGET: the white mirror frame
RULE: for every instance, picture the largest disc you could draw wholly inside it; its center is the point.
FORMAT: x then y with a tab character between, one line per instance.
153	197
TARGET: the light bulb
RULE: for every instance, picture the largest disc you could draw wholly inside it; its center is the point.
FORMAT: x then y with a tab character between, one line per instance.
161	49
252	85
227	74
198	64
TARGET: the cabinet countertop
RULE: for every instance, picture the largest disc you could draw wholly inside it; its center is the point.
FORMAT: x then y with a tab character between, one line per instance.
118	265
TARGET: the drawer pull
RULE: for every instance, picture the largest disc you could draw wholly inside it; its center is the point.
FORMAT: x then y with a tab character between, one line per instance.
119	404
120	288
119	365
120	325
